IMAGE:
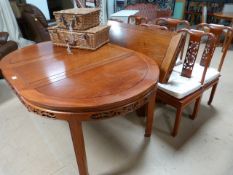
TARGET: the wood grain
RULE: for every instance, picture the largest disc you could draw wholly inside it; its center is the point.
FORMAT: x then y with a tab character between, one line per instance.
87	85
161	46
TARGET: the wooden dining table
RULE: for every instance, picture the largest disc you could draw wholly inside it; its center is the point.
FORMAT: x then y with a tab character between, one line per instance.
225	15
82	86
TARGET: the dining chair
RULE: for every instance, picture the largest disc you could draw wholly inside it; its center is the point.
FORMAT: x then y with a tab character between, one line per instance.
172	24
136	20
183	87
218	31
153	26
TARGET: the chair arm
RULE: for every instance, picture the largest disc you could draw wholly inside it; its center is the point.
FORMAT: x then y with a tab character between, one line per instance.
5	49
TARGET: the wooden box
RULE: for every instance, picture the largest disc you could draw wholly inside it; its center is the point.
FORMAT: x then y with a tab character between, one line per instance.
90	39
77	18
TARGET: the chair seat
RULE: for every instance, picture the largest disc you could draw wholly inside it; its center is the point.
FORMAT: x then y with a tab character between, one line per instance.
211	73
179	86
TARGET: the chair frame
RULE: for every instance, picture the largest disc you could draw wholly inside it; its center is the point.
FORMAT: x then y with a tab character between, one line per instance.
171	23
193	48
217	30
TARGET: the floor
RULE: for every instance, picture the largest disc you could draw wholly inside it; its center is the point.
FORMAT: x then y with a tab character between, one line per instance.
31	145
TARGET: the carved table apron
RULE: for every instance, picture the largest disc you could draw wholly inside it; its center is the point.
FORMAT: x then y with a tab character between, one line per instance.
85	85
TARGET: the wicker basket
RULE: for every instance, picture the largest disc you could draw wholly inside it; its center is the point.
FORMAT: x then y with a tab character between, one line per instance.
77	18
90	39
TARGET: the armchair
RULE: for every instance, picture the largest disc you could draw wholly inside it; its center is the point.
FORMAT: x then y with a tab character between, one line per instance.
35	24
6	46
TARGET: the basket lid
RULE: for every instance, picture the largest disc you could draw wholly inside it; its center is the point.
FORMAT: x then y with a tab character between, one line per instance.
96	29
77	11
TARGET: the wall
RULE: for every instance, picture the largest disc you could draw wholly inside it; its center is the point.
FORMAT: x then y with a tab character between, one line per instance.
179	9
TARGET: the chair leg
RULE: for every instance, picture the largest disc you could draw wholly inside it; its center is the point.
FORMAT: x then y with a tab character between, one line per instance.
212	94
196	108
177	121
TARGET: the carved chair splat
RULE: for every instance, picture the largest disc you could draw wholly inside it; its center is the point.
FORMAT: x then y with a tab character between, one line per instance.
182	88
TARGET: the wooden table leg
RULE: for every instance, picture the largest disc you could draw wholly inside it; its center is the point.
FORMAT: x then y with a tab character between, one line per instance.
79	146
150	116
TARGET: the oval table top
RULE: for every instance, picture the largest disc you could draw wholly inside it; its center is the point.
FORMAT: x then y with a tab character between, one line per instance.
48	77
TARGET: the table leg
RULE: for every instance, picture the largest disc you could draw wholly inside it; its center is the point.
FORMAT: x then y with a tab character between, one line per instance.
79	146
150	116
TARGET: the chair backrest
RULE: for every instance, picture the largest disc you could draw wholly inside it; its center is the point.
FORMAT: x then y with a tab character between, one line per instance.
153	26
35	23
137	20
171	23
31	9
161	46
147	11
218	31
194	41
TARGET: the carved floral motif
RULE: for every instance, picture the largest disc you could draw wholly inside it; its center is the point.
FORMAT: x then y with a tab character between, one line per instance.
191	55
123	110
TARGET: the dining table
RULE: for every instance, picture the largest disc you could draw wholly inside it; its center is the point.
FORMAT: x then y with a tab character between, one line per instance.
82	86
225	15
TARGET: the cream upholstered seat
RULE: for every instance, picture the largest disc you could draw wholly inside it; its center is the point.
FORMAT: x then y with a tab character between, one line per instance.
179	86
211	73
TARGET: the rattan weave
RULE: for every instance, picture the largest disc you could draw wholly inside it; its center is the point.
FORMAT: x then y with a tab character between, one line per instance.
92	38
77	18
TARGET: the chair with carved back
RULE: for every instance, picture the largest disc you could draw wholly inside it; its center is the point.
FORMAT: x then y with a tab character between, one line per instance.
153	26
172	24
218	31
136	20
183	87
149	11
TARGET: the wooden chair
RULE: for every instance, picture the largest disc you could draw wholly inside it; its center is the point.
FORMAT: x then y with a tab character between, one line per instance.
182	87
218	31
171	23
136	20
149	11
153	26
161	46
